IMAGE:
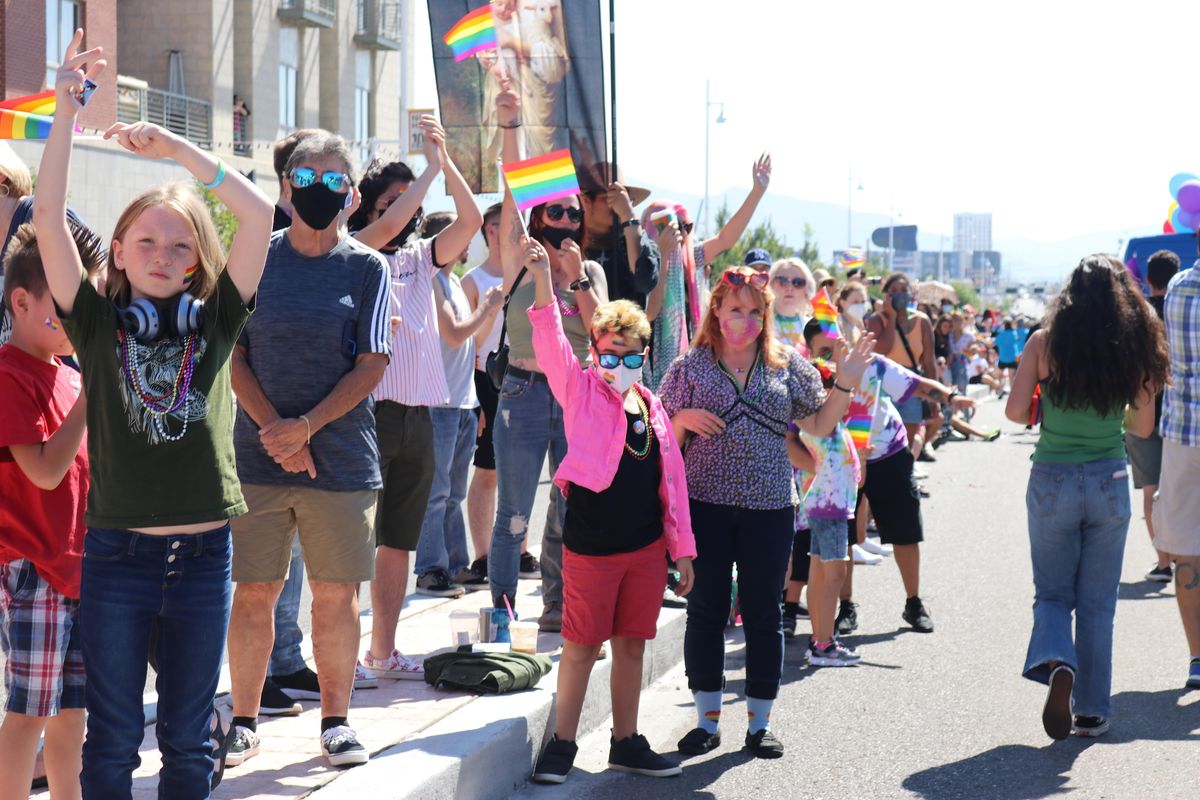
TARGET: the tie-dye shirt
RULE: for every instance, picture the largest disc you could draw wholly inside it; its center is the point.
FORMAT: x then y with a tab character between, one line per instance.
884	384
832	491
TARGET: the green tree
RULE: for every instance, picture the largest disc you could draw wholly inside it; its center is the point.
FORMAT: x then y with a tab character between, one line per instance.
967	294
222	217
765	236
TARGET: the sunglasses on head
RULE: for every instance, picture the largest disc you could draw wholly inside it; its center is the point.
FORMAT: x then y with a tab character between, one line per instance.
686	228
737	278
303	177
555	213
799	283
631	361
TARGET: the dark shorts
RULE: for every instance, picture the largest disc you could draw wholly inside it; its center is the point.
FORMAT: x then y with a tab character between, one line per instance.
1145	457
485	452
406	461
978	379
1007	365
895	499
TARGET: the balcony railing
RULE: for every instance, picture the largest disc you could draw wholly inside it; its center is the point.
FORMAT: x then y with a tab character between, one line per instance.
311	13
378	24
190	117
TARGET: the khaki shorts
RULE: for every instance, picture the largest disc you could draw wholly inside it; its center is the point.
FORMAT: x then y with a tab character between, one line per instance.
337	534
1176	511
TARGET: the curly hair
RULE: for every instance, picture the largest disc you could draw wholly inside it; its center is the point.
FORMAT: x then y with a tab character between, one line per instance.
621	318
1104	343
378	177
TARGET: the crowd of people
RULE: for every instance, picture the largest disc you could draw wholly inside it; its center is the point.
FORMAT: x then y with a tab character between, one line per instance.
715	440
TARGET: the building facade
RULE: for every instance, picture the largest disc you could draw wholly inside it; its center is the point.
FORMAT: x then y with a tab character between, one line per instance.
972	232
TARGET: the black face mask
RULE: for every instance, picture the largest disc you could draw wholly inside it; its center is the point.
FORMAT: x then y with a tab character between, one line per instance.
557	237
317	205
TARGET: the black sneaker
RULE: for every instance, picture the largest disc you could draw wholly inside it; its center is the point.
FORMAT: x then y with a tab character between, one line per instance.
847	618
1160	574
1090	727
916	615
1056	713
789	621
926	457
633	754
437	584
341	747
274	703
244	744
764	744
698	741
475	578
555	762
530	569
302	685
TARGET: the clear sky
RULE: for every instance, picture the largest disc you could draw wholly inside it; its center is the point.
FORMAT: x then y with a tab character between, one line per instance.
1060	117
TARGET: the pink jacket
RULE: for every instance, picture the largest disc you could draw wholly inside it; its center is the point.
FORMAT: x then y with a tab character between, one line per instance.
594	420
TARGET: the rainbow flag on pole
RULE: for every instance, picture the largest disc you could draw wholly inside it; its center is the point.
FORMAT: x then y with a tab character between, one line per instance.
860	431
473	33
851	259
42	104
542	179
824	313
27	117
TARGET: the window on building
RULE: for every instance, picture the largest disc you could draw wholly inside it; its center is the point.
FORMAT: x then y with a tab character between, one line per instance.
362	103
289	69
63	17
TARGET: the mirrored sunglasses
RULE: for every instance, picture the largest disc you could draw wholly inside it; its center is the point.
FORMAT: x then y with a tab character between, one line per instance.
303	177
631	361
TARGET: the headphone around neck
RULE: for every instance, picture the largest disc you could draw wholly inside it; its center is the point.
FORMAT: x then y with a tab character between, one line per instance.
150	320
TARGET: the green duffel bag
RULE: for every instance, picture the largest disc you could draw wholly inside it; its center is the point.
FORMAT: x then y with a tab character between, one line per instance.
485	673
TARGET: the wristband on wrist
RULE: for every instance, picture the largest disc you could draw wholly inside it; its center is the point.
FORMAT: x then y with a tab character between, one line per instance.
307	429
632	223
841	388
220	176
580	285
514	126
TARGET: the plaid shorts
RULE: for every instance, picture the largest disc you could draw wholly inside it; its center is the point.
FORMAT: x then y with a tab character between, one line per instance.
43	668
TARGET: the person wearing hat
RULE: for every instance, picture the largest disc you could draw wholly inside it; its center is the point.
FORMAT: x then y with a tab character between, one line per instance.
824	280
758	259
614	237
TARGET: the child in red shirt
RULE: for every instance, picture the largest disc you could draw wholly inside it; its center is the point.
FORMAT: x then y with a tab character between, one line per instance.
43	486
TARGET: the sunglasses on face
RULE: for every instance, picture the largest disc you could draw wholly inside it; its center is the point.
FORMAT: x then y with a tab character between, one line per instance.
631	361
686	228
555	213
799	283
303	177
737	279
825	353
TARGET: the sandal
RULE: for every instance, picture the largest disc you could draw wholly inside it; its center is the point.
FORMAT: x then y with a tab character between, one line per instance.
221	740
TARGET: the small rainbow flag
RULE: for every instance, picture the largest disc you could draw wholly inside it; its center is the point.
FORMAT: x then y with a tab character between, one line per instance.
190	273
860	431
542	179
851	258
473	33
824	313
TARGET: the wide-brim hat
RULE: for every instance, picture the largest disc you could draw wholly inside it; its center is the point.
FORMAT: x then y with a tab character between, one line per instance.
595	180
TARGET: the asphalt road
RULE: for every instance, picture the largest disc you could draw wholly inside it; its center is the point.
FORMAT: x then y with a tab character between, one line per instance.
947	715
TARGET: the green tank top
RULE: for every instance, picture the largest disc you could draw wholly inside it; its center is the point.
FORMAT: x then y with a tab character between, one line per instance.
1077	436
520	330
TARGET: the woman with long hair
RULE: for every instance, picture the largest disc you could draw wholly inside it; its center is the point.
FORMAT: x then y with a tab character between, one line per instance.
731	399
1102	349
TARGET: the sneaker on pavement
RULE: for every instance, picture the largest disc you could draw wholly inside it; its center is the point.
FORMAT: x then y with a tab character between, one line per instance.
341	747
764	744
833	654
698	741
474	578
847	618
1160	574
555	762
672	600
862	556
551	619
875	548
300	685
245	744
437	584
364	679
1056	713
992	435
1090	727
530	569
396	666
634	755
1193	681
789	620
916	615
919	474
274	703
926	456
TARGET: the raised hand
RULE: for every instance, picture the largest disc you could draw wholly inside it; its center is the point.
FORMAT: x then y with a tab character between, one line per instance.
435	142
856	361
762	171
508	106
145	139
669	241
571	259
618	201
77	68
533	255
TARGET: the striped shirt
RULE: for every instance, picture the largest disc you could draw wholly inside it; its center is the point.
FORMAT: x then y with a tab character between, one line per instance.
415	376
1181	400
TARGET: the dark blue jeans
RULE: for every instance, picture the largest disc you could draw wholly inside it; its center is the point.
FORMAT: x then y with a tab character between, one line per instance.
133	583
759	542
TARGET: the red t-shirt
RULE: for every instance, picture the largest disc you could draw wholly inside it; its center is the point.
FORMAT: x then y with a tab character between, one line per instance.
45	527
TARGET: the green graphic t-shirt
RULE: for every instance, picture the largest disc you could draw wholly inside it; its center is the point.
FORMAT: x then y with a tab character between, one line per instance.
150	469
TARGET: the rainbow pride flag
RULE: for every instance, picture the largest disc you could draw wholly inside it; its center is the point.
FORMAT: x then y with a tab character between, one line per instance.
851	259
23	125
473	33
41	104
542	179
825	313
860	431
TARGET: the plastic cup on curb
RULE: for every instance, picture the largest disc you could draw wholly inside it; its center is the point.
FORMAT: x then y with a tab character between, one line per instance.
464	628
524	636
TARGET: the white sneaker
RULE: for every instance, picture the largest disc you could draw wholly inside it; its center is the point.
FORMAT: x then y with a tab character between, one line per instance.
397	666
341	747
861	556
364	679
875	548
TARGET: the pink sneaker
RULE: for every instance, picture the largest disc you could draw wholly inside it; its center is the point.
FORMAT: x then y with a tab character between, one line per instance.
397	666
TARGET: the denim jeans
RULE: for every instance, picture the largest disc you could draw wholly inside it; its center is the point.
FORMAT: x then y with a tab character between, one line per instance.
443	542
1078	519
133	583
286	657
958	373
759	542
529	421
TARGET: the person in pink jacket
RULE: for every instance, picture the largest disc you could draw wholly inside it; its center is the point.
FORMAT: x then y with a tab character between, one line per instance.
626	491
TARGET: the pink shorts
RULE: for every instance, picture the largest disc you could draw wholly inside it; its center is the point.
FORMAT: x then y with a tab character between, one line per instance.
617	595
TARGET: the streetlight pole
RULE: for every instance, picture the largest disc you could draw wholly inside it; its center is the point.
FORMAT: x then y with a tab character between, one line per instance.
708	104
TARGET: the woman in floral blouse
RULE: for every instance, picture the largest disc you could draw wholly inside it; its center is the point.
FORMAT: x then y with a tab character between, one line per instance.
730	399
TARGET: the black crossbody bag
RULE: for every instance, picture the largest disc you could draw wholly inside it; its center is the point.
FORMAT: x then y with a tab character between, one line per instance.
497	360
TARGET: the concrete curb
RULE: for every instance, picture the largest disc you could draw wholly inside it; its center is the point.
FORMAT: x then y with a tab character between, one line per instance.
487	749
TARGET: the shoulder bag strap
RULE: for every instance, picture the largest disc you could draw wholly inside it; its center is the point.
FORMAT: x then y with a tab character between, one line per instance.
907	349
507	300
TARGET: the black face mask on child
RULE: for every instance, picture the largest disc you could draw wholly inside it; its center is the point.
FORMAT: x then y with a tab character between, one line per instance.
317	205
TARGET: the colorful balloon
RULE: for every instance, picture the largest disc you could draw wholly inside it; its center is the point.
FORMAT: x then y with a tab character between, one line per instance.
1188	196
1167	227
1176	222
1179	180
1190	219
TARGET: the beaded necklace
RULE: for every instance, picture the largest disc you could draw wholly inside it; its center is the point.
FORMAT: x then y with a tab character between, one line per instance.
177	398
565	309
640	455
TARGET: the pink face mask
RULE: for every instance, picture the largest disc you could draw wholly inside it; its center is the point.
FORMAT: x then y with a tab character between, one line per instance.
742	330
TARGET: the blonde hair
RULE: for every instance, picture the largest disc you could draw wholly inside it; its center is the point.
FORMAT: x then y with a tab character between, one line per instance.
774	354
810	286
181	198
621	318
20	181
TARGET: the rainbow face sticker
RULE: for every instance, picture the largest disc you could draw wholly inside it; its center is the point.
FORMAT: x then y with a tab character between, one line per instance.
52	325
190	273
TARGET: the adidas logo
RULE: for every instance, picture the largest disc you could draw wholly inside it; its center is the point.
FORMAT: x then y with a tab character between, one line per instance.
347	301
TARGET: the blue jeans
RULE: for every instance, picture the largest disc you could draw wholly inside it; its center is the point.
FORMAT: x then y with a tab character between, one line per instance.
958	373
1078	519
133	583
286	657
443	542
529	421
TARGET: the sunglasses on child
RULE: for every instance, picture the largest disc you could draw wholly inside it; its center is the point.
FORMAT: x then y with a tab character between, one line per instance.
737	278
555	213
303	177
631	361
799	283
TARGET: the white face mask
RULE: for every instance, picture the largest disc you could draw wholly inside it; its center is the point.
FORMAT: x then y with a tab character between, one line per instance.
620	378
856	311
